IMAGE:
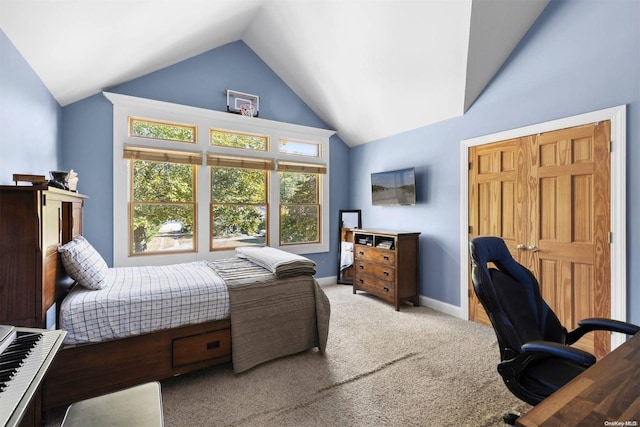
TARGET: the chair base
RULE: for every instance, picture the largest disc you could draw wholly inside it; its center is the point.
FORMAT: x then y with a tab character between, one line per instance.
511	417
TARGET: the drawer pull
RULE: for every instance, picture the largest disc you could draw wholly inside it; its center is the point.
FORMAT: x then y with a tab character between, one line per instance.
213	345
361	267
360	280
386	257
386	273
386	289
361	252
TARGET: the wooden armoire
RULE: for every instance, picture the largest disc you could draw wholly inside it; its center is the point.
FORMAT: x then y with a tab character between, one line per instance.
34	221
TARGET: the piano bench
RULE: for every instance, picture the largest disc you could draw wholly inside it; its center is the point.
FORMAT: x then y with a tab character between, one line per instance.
139	406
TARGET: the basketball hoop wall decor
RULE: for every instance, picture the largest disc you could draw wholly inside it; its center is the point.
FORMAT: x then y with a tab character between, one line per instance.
243	103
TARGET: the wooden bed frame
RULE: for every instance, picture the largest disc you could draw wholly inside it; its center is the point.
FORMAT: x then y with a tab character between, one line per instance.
80	372
84	371
89	370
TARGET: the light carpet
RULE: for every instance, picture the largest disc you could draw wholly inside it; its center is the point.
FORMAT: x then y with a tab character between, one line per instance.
415	367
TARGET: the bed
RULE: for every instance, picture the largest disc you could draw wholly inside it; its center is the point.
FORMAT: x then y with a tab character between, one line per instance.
137	324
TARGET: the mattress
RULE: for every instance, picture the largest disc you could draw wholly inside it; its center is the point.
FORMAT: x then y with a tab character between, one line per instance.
138	300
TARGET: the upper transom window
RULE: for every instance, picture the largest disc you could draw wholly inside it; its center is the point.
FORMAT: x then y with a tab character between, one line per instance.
223	138
311	149
162	130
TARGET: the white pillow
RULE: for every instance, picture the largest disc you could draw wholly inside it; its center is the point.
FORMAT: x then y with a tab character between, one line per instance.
83	263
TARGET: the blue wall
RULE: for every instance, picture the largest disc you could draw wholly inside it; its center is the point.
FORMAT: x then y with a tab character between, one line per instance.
30	119
579	56
200	81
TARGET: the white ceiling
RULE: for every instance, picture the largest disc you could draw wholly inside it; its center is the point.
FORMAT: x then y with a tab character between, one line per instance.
368	68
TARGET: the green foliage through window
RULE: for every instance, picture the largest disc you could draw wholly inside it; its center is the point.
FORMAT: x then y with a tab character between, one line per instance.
238	140
239	207
160	130
299	208
163	207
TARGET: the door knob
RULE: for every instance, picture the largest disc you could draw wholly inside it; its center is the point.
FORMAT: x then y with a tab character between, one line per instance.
533	248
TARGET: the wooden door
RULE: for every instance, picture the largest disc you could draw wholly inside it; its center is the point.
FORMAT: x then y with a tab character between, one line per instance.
496	200
569	236
560	217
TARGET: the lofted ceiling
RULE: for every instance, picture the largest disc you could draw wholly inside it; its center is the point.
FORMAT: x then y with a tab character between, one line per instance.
368	68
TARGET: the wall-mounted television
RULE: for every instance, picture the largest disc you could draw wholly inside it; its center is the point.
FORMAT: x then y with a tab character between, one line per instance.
394	188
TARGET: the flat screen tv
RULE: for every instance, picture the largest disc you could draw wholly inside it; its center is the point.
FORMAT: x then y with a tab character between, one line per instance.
394	188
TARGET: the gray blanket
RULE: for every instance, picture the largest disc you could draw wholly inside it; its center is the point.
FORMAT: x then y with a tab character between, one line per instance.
280	263
272	317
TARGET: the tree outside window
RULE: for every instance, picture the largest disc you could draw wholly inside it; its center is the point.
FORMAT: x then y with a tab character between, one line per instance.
162	207
299	208
238	207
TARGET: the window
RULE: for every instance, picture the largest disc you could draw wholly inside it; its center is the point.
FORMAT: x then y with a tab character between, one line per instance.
163	203
183	194
311	149
222	138
299	203
161	130
299	208
239	201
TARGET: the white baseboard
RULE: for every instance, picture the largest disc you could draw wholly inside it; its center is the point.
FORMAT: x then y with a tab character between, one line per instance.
442	307
331	280
434	304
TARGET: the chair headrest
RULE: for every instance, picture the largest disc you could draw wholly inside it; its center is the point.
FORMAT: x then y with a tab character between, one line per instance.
488	249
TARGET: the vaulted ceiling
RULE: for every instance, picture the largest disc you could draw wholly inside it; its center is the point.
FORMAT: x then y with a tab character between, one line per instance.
368	68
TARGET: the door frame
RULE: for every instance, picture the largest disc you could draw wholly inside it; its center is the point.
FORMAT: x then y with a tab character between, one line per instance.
618	117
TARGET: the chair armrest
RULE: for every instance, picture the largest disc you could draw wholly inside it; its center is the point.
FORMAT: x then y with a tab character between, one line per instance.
562	351
534	351
598	324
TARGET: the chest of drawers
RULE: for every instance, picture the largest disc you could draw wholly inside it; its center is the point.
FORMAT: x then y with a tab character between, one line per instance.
386	265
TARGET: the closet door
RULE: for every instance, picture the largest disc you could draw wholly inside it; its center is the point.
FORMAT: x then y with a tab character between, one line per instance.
497	200
569	226
548	197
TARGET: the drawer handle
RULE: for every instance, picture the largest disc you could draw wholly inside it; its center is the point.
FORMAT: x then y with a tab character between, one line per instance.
361	252
361	267
386	289
386	257
360	280
386	273
213	345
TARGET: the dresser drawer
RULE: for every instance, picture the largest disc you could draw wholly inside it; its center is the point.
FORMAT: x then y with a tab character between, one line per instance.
384	272
375	286
201	347
386	256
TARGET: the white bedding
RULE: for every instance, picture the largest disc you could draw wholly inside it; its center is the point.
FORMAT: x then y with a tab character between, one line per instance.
137	300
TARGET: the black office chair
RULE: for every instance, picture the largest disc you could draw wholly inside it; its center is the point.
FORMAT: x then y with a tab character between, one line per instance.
535	354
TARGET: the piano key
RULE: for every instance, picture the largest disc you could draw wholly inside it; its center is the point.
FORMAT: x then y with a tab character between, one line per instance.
39	350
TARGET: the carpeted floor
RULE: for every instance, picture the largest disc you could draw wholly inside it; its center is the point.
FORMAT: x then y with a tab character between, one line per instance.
416	367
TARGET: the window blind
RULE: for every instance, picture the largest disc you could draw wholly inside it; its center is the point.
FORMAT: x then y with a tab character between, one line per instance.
302	167
240	162
158	155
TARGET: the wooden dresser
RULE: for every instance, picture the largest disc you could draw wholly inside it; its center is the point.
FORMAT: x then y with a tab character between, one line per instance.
386	265
34	221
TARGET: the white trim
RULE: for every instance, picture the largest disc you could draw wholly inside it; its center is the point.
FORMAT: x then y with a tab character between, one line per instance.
617	116
235	120
440	306
324	281
124	106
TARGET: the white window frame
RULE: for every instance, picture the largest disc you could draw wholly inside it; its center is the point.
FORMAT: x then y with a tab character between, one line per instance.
125	106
